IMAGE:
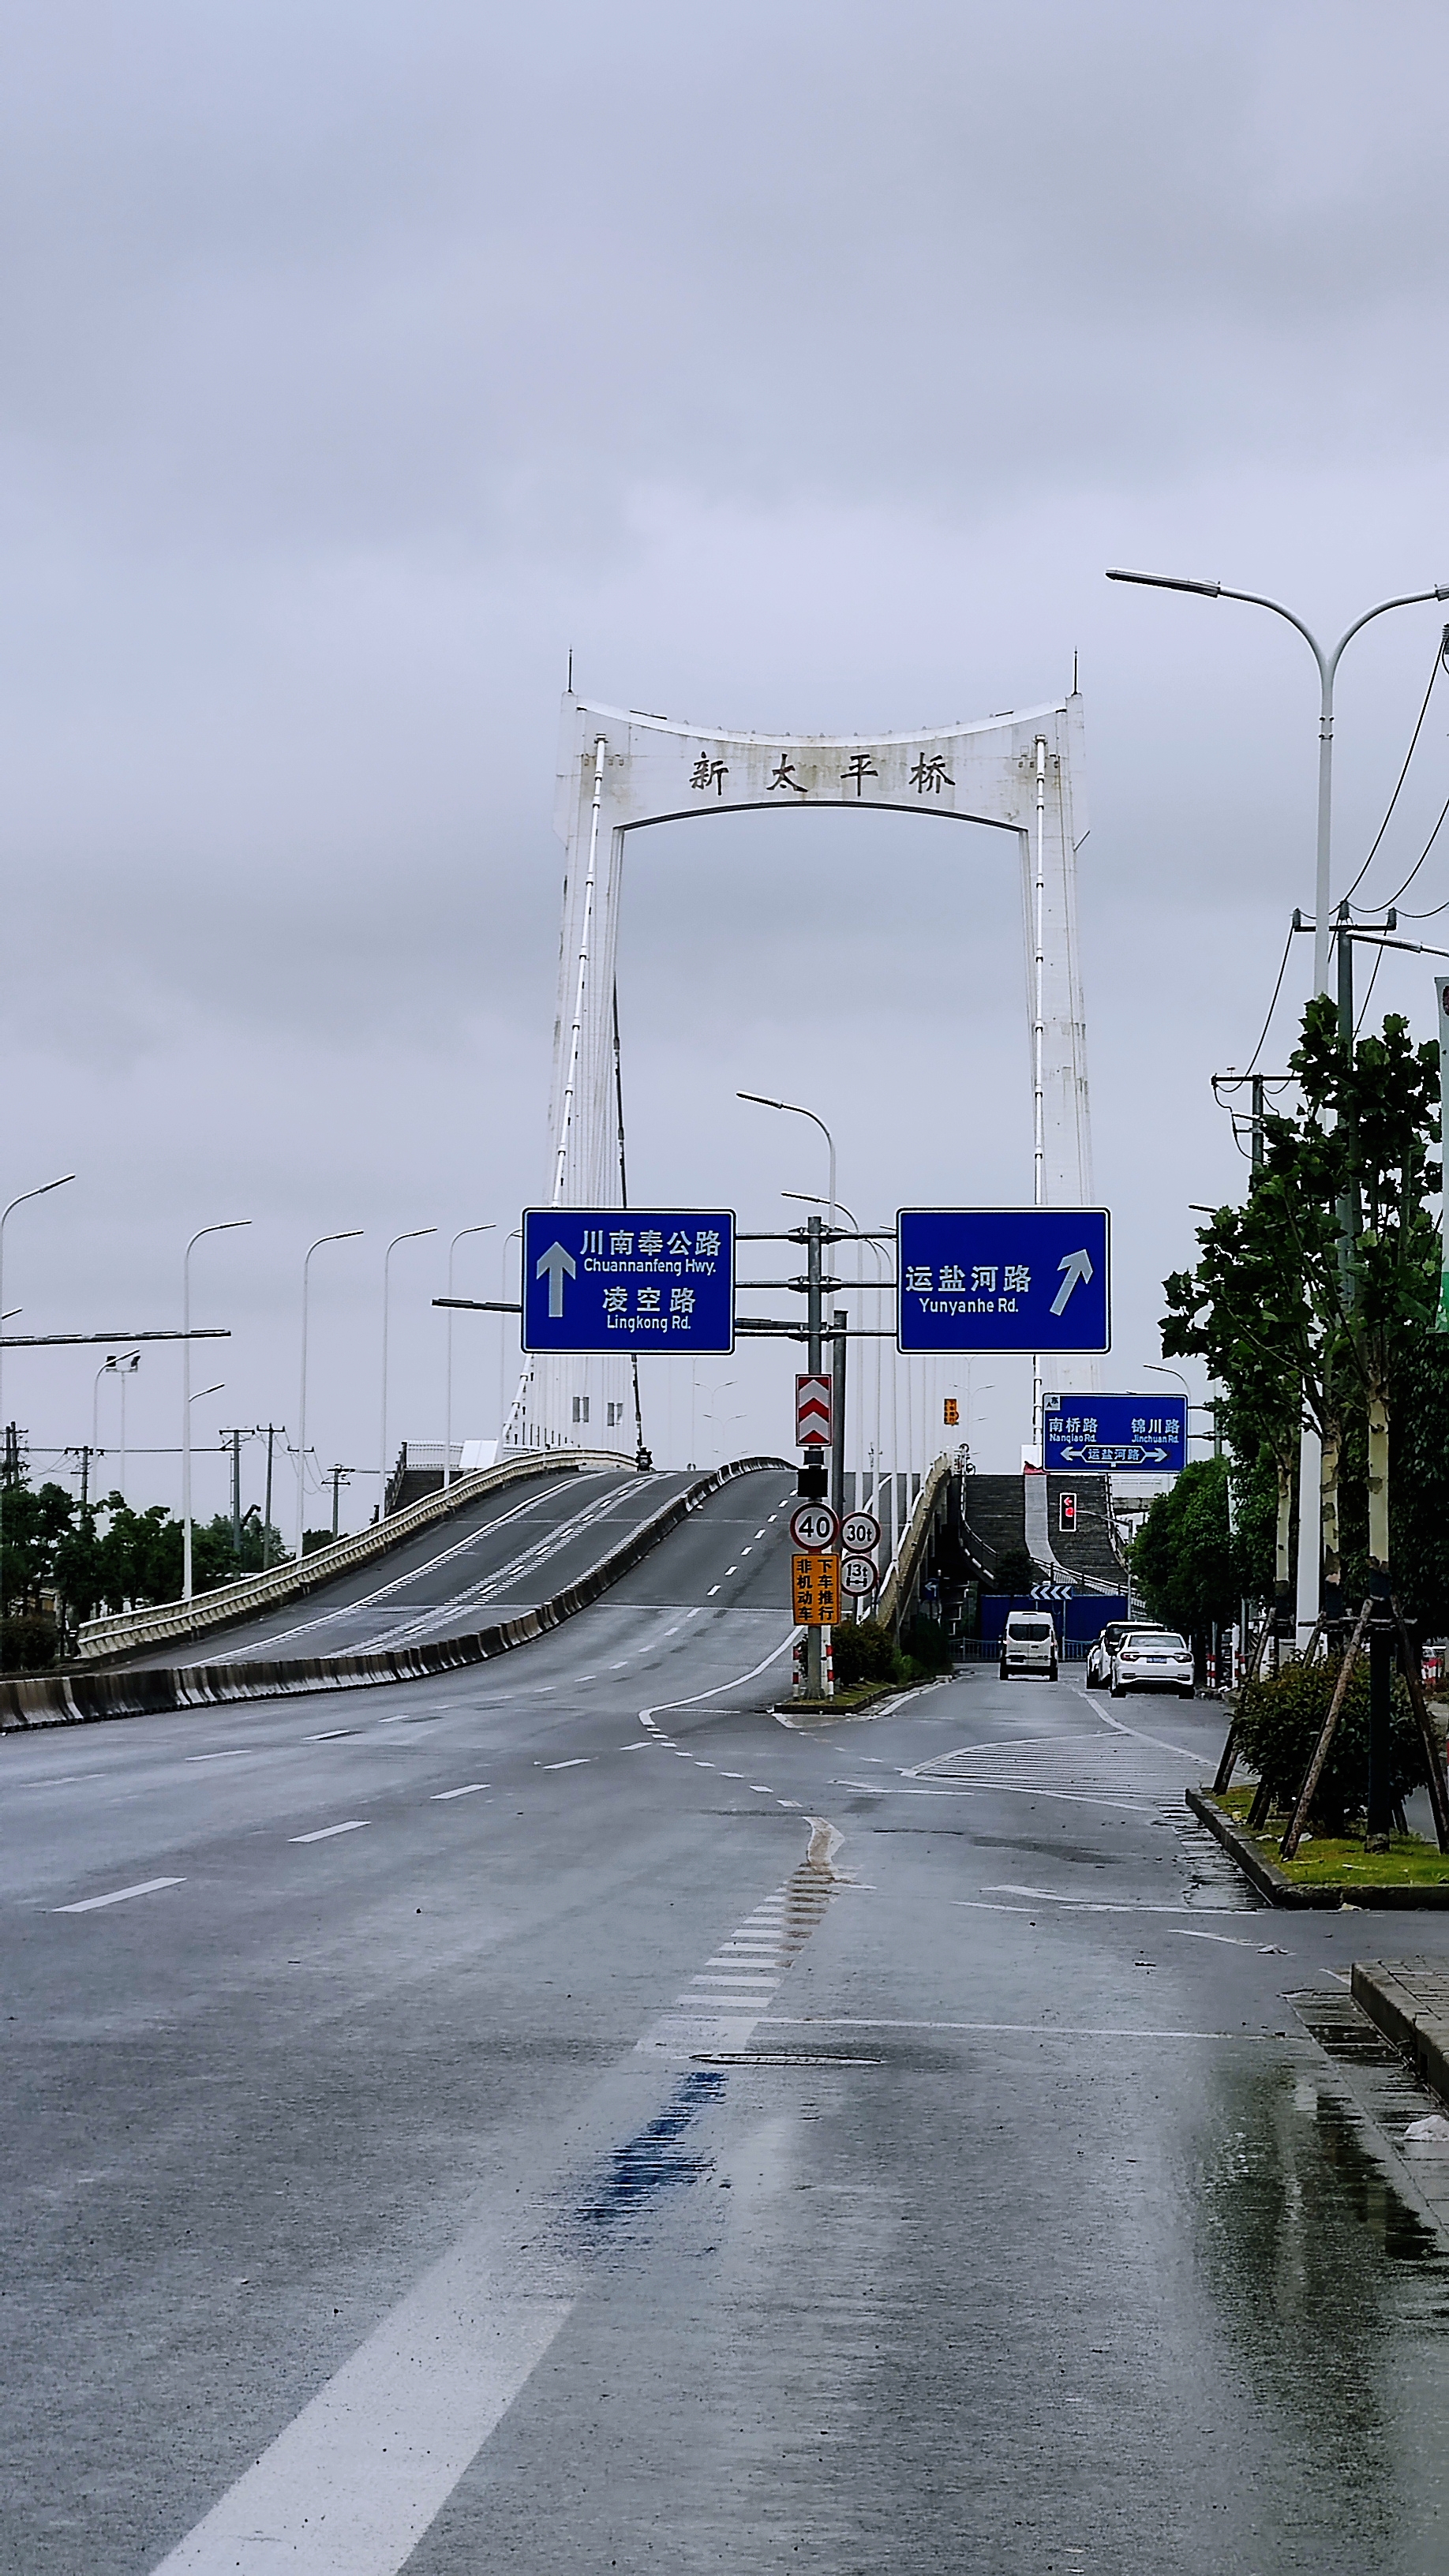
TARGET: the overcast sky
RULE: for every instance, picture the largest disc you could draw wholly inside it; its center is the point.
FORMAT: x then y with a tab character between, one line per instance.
796	367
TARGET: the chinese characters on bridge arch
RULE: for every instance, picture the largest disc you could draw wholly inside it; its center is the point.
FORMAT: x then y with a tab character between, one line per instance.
928	777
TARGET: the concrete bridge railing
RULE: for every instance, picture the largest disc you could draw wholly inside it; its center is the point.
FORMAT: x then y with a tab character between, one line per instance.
123	1631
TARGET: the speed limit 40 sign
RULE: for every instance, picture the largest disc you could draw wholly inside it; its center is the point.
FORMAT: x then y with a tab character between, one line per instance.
814	1526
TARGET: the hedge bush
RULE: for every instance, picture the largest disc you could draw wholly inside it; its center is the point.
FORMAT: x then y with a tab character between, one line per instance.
1280	1719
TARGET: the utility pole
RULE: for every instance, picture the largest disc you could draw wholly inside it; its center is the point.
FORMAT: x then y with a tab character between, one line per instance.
272	1430
236	1438
334	1479
812	1477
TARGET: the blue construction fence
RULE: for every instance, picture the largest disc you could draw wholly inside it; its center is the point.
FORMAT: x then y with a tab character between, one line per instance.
1077	1621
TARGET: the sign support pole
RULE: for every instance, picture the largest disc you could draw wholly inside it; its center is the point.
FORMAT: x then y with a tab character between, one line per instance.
815	1666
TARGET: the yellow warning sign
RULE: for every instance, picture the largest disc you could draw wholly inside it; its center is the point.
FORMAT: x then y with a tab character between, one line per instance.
816	1590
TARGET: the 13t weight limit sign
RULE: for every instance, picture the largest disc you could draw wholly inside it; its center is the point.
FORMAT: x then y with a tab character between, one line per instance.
1003	1279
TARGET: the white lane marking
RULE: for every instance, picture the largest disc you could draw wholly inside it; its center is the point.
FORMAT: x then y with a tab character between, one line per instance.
761	1789
640	1745
61	1780
355	2480
236	1753
324	1833
118	1895
614	1668
759	1533
1102	1904
330	1736
732	1775
729	1570
1270	1948
1010	2029
572	1763
713	1589
470	1789
1159	1740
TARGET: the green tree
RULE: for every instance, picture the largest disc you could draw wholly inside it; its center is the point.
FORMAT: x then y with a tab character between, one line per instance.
1317	1295
1185	1561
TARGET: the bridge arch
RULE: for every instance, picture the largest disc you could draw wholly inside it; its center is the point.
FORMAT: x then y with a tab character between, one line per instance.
622	771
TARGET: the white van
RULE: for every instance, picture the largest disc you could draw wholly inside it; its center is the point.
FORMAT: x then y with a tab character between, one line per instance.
1029	1644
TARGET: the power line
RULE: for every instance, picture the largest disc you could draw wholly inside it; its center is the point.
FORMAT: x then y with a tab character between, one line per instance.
1403	774
1272	1006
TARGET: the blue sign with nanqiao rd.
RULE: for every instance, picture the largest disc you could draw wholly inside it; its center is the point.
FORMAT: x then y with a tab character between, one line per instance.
1003	1279
628	1279
1134	1435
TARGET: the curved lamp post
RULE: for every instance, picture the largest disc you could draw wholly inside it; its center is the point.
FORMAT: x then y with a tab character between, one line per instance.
463	1230
349	1236
412	1235
229	1226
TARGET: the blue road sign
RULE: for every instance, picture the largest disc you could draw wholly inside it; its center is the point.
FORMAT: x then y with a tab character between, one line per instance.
1003	1279
1140	1435
628	1279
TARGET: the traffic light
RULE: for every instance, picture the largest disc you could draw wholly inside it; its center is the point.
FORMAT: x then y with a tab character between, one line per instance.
1067	1509
950	1411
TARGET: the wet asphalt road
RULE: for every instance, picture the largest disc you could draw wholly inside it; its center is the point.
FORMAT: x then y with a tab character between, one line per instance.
555	2170
513	1547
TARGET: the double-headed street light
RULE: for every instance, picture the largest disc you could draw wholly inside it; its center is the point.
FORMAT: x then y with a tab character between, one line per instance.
1310	1453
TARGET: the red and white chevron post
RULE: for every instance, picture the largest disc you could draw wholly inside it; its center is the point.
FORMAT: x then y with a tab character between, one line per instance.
812	1412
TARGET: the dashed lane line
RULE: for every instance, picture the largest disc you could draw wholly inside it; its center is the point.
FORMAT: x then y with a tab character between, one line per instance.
469	1789
324	1833
118	1895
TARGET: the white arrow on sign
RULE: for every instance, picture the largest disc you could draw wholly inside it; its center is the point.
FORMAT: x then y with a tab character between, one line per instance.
1129	1453
556	1262
1078	1266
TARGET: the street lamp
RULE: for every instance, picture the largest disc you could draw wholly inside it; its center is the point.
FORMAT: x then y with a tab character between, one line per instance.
411	1236
1310	1447
40	1193
448	1397
230	1226
794	1110
350	1236
515	1236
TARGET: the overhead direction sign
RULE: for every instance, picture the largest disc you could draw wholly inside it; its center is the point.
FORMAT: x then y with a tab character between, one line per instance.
1003	1279
628	1279
1133	1435
812	1412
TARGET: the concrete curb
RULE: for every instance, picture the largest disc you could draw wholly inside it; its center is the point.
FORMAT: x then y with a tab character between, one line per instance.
1272	1883
77	1698
1408	2001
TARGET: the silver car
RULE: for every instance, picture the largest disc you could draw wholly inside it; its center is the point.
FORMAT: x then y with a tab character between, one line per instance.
1103	1648
1152	1659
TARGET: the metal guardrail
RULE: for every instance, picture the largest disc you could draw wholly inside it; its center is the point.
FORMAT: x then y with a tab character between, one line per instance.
123	1630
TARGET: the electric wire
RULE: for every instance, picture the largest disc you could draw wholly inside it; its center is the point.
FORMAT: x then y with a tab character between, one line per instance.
1403	774
1418	863
1272	1007
1368	997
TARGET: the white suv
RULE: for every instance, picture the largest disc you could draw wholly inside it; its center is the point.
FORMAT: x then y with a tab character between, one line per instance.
1103	1648
1152	1659
1029	1644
